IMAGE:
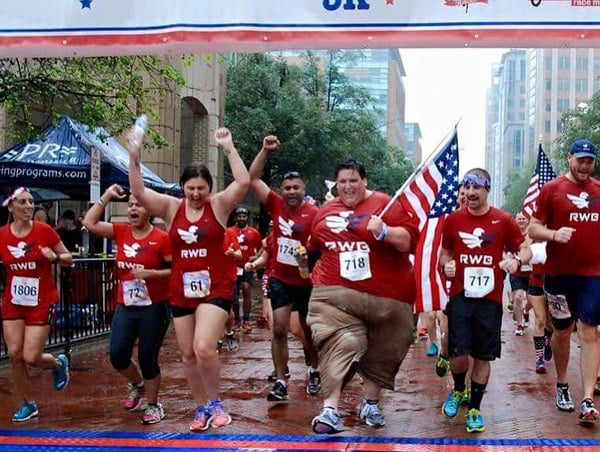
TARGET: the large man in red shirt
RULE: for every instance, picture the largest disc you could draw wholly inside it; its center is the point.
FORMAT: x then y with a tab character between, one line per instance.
360	310
568	218
474	241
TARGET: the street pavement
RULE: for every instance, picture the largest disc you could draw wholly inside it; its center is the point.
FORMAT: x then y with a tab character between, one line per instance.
518	405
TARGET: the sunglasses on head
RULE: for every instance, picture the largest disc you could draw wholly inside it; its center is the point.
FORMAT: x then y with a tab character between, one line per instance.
291	175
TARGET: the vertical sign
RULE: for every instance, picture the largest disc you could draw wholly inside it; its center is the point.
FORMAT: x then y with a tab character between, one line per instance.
95	176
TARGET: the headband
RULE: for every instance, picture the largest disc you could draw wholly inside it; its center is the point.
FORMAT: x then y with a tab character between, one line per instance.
13	195
476	179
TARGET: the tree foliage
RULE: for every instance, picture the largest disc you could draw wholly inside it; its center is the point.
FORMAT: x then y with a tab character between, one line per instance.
317	114
107	91
582	122
514	191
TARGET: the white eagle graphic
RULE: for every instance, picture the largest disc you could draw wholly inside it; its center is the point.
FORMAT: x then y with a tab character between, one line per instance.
338	223
131	250
18	251
286	227
472	240
189	236
581	201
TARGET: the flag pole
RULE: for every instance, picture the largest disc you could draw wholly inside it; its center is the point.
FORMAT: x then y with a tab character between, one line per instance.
423	164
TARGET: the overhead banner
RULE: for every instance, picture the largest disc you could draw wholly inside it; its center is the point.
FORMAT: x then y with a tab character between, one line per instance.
112	27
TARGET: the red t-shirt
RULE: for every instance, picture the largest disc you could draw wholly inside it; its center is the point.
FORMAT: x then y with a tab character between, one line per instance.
231	241
565	203
147	253
200	270
291	228
353	258
250	242
476	244
29	280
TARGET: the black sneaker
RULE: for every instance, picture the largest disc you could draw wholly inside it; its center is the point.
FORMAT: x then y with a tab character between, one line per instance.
273	375
306	357
314	382
278	393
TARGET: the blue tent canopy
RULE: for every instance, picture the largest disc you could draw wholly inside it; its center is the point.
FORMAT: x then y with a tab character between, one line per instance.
61	157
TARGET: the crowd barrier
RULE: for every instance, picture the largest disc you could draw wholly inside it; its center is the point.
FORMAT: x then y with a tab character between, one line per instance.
87	301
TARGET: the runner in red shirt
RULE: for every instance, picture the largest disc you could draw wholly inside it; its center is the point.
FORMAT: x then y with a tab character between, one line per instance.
361	307
143	313
568	218
289	283
473	243
250	243
201	284
27	251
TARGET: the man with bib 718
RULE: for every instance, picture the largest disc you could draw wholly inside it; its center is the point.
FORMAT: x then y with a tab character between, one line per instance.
479	244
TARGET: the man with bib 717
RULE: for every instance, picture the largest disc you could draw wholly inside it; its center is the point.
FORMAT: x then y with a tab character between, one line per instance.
479	244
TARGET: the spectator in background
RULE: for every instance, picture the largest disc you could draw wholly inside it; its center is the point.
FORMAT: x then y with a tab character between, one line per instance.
67	230
42	213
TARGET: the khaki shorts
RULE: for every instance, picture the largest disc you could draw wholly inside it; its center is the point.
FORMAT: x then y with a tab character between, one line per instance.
357	331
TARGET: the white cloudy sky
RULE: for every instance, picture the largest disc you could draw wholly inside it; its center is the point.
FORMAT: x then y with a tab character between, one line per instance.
444	86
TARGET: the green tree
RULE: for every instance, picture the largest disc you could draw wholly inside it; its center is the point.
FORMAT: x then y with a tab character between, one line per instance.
514	191
107	91
317	114
582	122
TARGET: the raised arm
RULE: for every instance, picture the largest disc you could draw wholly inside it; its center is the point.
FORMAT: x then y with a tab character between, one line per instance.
156	204
235	192
261	190
92	220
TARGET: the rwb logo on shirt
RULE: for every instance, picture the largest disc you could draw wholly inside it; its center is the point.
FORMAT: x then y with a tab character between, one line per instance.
131	250
18	251
286	226
190	236
583	201
476	238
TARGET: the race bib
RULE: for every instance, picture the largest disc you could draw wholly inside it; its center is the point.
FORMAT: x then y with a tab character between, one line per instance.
478	282
526	268
355	265
285	251
25	291
135	293
196	284
239	271
558	306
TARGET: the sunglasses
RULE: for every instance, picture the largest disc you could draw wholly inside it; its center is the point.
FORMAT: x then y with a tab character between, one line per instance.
291	175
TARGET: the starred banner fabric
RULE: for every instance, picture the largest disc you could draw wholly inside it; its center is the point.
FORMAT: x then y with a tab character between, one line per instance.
112	27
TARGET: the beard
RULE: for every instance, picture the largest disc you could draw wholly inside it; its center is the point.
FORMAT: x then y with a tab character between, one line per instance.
241	224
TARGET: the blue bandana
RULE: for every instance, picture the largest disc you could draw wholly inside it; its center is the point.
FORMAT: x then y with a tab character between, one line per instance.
476	179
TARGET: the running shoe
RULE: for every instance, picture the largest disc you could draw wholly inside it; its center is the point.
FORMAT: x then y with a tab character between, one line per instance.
134	398
246	327
314	382
370	413
475	422
564	401
327	422
25	412
422	333
442	366
547	347
589	413
219	417
466	397
597	387
60	375
452	403
273	375
201	420
153	414
519	331
510	306
540	366
278	393
432	350
525	318
232	343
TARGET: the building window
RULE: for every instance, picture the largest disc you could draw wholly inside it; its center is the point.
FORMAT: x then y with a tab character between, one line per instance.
562	84
564	62
562	105
582	64
559	126
548	105
548	84
548	62
547	126
581	84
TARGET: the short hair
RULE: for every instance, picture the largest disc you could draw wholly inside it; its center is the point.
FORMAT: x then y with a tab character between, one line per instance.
351	164
193	171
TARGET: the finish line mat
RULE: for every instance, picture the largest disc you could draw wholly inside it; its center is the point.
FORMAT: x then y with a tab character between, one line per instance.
24	440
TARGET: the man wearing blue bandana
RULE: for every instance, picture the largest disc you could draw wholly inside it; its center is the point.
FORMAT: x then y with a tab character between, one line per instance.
479	244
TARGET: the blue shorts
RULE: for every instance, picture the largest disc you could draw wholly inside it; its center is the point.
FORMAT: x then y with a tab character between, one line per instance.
572	297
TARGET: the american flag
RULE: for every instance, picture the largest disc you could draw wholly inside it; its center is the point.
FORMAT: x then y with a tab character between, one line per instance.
543	173
432	194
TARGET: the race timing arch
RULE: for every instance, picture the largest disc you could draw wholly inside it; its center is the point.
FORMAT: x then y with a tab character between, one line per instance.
31	28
